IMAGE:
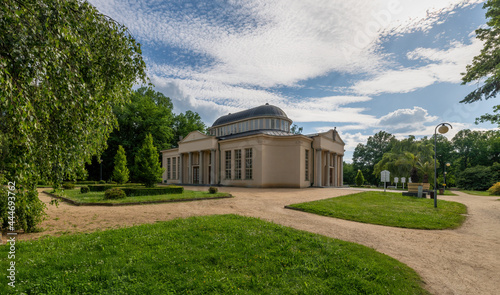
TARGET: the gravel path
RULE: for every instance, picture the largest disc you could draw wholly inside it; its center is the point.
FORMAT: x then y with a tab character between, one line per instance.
460	261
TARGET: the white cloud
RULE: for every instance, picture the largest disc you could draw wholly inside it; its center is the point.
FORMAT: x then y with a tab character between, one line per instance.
444	66
269	43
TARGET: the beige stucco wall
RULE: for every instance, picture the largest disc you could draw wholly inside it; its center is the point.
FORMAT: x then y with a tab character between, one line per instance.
277	161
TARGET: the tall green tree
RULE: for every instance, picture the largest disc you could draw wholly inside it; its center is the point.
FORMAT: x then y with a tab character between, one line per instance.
406	156
186	123
486	65
120	172
366	156
349	173
148	167
63	67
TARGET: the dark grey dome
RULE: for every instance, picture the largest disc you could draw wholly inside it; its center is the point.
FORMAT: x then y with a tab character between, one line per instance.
260	111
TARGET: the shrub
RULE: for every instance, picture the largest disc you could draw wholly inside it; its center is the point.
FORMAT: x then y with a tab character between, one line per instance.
495	189
212	190
360	179
84	189
112	182
121	172
102	182
68	185
114	194
142	191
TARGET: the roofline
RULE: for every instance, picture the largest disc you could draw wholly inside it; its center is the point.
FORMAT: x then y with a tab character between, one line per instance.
267	135
251	118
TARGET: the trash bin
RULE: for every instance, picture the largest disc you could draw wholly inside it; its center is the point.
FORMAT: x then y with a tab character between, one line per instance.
441	191
431	194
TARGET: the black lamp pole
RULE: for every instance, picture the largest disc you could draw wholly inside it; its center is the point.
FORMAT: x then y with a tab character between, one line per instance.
443	128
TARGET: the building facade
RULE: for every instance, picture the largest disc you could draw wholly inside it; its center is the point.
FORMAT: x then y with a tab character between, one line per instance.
255	148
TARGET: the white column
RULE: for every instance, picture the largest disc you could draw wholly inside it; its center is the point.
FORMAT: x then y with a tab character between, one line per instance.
212	172
341	171
318	167
200	162
179	164
327	183
335	169
189	168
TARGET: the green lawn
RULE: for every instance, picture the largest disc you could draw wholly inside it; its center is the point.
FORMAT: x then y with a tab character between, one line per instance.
224	254
391	209
98	197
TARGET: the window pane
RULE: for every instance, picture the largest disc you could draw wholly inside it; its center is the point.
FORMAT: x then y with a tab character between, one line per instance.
228	165
237	164
248	164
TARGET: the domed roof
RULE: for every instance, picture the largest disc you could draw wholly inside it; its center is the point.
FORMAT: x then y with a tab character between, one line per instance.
260	111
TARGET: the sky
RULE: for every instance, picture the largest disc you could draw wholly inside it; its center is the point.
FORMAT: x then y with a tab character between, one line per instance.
360	66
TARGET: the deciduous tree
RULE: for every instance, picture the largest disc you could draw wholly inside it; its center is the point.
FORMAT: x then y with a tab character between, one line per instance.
486	65
63	66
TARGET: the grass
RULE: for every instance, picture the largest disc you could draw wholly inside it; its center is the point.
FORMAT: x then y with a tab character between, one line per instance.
478	193
224	254
390	209
98	197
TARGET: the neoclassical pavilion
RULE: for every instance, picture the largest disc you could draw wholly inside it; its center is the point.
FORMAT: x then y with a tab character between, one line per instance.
255	148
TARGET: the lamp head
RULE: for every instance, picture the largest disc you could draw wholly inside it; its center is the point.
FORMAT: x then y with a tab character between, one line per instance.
443	129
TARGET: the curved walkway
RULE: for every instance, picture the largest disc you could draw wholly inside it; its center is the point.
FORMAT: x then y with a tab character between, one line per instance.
460	261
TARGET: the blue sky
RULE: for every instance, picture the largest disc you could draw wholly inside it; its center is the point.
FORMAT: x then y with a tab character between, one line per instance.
361	66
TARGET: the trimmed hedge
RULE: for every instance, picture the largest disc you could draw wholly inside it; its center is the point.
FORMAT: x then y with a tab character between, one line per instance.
68	185
114	193
84	189
104	187
141	191
86	182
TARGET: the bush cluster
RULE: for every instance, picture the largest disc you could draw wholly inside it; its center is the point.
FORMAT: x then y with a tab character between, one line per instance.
479	178
84	189
114	194
495	189
68	185
142	191
102	182
212	190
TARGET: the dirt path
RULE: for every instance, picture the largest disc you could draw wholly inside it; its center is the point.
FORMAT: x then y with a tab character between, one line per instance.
461	261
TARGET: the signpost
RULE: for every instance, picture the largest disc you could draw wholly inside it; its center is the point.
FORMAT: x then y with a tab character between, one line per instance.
385	177
403	180
396	180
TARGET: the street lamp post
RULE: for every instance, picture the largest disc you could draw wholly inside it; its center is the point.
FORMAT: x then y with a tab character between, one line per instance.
445	184
442	128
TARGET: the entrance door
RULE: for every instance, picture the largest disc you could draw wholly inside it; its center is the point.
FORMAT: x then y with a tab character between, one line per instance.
209	174
196	175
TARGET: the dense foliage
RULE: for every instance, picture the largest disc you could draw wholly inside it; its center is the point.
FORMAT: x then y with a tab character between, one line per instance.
120	172
367	155
479	177
408	157
63	67
148	111
467	149
147	164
